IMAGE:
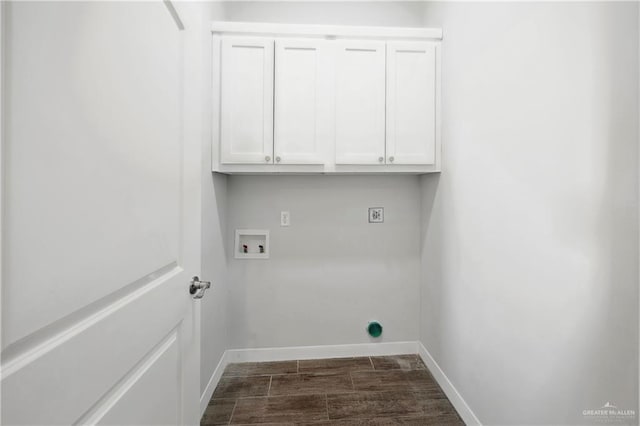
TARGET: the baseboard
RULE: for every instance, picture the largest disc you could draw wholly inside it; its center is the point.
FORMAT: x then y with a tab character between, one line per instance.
326	351
452	393
213	382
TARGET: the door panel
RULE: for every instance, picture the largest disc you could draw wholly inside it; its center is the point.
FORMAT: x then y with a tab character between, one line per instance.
411	102
84	176
159	370
100	244
246	133
75	356
360	102
301	106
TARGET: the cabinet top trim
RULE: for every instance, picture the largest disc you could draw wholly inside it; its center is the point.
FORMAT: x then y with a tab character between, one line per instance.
327	31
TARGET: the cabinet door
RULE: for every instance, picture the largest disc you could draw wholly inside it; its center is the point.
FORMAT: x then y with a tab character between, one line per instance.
300	102
246	126
411	102
360	102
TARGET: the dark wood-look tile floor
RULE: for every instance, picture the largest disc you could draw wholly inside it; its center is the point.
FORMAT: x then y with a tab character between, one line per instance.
384	390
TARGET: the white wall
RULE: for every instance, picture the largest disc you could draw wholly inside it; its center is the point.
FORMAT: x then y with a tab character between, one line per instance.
197	17
530	235
405	14
214	307
331	271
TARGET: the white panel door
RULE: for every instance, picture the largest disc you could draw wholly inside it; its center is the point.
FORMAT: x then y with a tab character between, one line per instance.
301	101
411	102
246	129
100	225
360	102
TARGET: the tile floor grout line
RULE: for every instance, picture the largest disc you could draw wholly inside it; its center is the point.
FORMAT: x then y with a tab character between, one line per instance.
326	401
233	411
289	395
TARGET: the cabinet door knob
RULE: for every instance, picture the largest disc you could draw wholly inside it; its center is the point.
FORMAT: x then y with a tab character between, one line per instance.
267	158
380	159
391	159
277	159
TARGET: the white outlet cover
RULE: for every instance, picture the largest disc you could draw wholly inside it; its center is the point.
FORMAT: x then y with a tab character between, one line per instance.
376	214
285	218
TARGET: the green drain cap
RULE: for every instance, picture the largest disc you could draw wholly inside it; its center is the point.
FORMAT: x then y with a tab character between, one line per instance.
374	329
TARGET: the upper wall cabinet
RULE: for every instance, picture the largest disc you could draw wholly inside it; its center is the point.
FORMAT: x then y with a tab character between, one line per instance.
301	102
360	102
411	103
246	125
325	99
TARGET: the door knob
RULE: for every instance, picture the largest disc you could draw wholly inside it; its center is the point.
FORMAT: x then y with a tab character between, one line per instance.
391	159
380	159
278	159
267	158
197	287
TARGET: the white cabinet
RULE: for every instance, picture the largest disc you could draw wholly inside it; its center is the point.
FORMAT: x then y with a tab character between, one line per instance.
325	99
301	101
359	102
411	102
246	122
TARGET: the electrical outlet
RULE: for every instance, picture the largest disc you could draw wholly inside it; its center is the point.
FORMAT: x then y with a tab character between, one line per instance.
376	214
285	219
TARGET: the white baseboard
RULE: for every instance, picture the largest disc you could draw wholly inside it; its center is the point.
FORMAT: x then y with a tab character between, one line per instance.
452	393
213	382
326	351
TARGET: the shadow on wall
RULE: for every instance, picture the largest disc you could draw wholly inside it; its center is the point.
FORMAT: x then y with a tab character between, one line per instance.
219	182
433	295
214	311
611	308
